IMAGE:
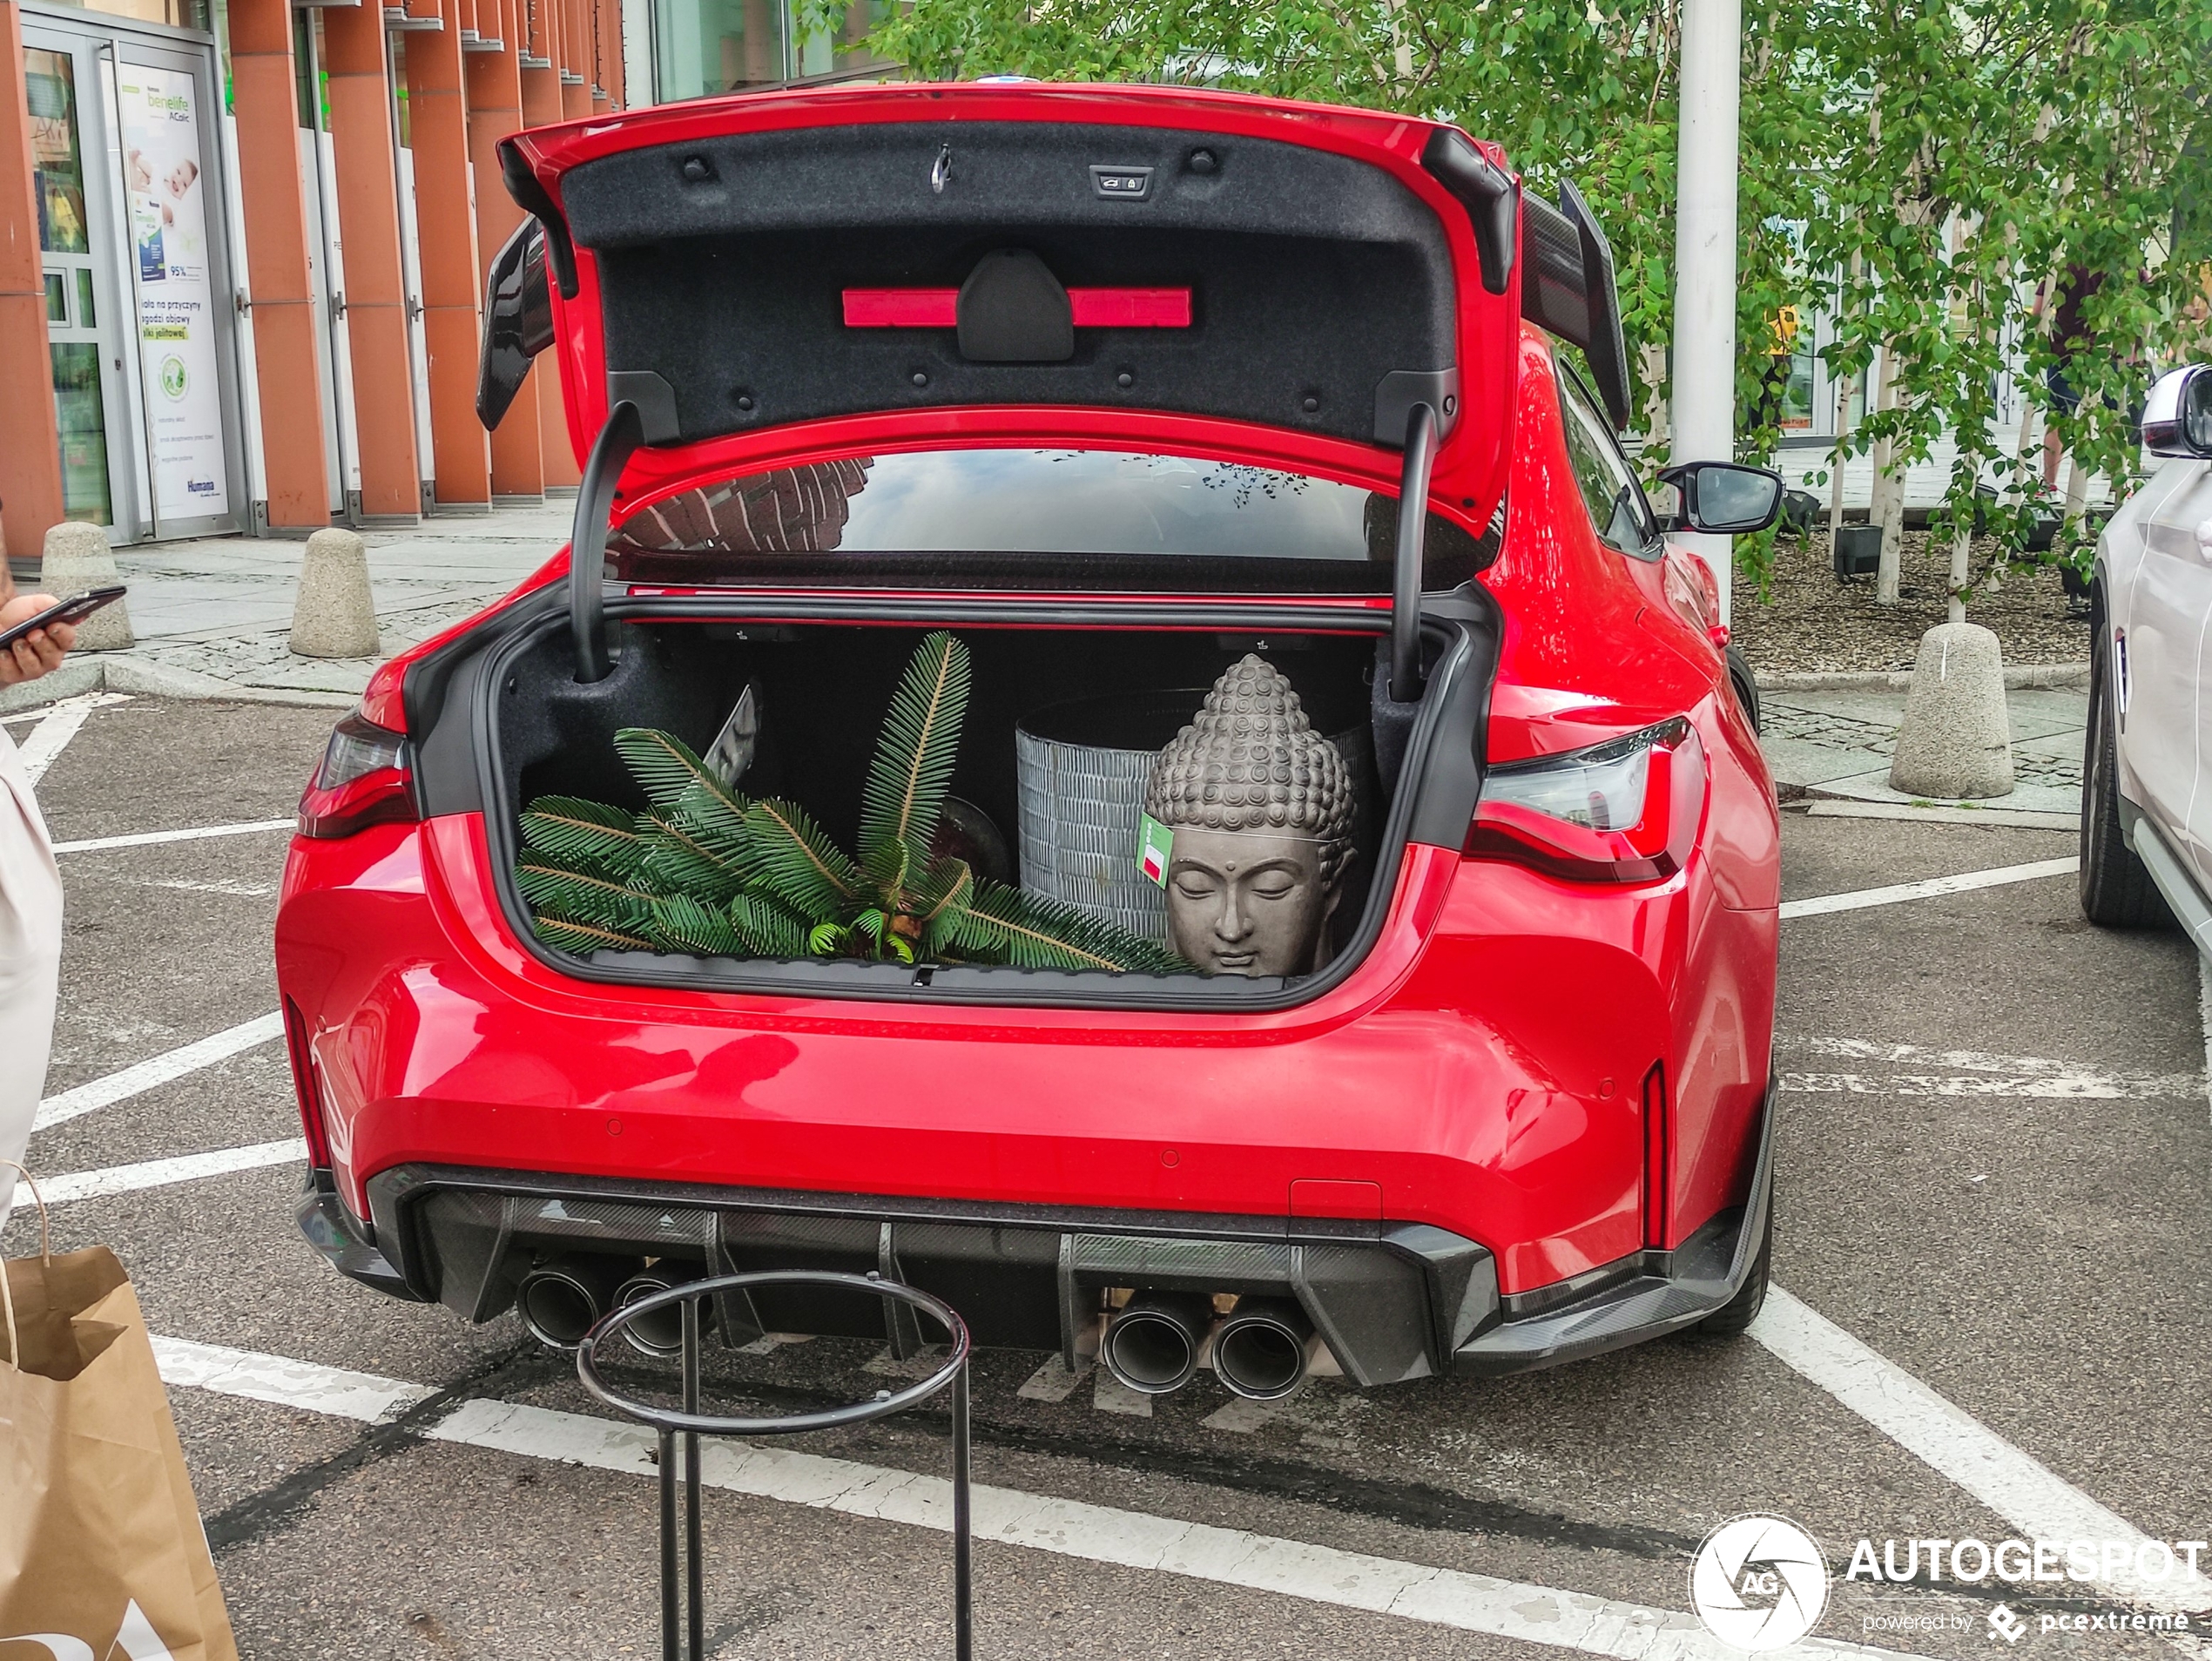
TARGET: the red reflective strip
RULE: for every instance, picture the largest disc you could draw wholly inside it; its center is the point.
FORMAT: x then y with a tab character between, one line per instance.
1090	307
901	307
1130	308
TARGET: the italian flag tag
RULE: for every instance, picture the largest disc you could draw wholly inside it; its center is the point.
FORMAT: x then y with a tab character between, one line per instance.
1152	843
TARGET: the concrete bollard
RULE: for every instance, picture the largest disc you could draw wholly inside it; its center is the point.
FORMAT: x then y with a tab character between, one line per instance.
76	559
334	617
1955	742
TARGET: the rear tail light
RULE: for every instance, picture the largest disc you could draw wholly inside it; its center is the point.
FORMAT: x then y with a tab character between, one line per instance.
1624	811
363	781
306	1087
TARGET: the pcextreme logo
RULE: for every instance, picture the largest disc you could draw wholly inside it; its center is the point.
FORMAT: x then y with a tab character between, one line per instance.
1759	1583
135	1640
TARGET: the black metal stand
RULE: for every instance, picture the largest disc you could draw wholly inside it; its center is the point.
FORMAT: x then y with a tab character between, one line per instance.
692	1424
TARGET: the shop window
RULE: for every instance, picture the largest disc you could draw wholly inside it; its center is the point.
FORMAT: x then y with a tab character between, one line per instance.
707	47
57	169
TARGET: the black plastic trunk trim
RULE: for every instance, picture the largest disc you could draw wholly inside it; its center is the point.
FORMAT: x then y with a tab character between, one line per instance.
1453	627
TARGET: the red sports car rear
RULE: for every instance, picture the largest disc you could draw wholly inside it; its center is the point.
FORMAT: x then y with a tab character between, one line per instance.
1119	389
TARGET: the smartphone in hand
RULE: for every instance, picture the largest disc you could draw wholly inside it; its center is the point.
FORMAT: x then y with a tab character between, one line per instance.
74	609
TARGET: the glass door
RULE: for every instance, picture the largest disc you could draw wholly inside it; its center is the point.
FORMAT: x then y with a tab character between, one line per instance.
162	144
80	290
138	296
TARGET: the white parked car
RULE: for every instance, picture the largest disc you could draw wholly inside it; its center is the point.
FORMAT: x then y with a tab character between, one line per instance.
2145	779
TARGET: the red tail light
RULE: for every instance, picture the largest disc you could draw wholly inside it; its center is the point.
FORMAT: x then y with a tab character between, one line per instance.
306	1087
363	781
1624	811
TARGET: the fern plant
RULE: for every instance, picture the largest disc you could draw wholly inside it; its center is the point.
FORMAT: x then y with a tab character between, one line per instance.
706	870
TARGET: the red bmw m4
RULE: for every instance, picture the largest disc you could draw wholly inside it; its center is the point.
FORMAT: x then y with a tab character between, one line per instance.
1105	397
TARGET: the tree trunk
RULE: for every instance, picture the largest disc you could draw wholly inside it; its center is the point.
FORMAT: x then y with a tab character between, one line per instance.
1961	548
1885	507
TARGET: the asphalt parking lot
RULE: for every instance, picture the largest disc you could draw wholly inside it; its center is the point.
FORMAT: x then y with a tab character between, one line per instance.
1994	1320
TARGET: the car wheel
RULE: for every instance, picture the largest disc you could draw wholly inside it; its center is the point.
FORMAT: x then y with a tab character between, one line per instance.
1739	1312
1747	689
2116	891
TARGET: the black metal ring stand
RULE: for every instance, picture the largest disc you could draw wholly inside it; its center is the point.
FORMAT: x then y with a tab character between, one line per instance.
693	1424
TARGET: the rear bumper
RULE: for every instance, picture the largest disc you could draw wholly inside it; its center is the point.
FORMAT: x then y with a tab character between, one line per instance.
1643	1296
1393	1301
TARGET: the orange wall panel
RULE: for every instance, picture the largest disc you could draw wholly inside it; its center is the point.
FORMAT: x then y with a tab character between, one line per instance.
452	283
289	378
375	293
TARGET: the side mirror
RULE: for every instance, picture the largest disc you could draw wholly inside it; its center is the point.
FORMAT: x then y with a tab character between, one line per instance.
2177	417
518	320
1722	497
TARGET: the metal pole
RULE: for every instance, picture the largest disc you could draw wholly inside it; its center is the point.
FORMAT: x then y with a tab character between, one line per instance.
1702	421
668	1650
963	1620
694	1566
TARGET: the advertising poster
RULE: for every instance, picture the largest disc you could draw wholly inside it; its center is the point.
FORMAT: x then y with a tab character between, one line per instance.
169	232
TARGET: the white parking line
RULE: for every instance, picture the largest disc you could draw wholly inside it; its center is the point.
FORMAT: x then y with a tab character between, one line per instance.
158	1070
147	839
2035	1077
306	1385
2026	1494
51	735
1063	1528
1963	883
159	1174
2073	1087
2204	1015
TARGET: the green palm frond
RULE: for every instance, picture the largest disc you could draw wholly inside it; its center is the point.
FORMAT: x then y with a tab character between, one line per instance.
942	899
788	855
681	923
824	939
912	769
768	930
584	938
560	890
715	817
1033	932
678	862
884	862
664	765
590	834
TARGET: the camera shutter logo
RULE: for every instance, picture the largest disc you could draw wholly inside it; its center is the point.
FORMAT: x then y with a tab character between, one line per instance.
1759	1583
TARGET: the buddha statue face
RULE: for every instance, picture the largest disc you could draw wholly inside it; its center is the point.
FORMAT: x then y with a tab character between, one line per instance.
1260	809
1247	902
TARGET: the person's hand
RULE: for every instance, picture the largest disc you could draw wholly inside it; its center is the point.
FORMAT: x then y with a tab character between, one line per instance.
41	651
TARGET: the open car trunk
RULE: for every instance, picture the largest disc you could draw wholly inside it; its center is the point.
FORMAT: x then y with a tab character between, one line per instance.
1062	721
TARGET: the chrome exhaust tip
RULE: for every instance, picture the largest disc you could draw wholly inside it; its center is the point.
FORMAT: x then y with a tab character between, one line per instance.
1152	1346
1262	1351
563	1298
660	1333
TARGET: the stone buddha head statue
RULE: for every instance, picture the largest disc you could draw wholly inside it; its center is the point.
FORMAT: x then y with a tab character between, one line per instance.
1260	808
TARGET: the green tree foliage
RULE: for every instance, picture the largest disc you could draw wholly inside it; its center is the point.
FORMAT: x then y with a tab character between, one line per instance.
704	870
1922	169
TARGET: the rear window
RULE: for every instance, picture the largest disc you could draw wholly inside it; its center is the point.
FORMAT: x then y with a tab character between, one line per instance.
1101	519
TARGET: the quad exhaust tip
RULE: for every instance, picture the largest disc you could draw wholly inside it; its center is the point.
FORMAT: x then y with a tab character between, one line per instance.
1261	1351
660	1333
1152	1346
563	1298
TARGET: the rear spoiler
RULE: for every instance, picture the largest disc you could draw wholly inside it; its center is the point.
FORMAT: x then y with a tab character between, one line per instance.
1567	282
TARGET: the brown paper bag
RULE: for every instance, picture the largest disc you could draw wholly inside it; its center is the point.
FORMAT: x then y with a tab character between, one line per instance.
102	1555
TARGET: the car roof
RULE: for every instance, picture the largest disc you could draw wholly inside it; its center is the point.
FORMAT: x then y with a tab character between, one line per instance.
756	271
